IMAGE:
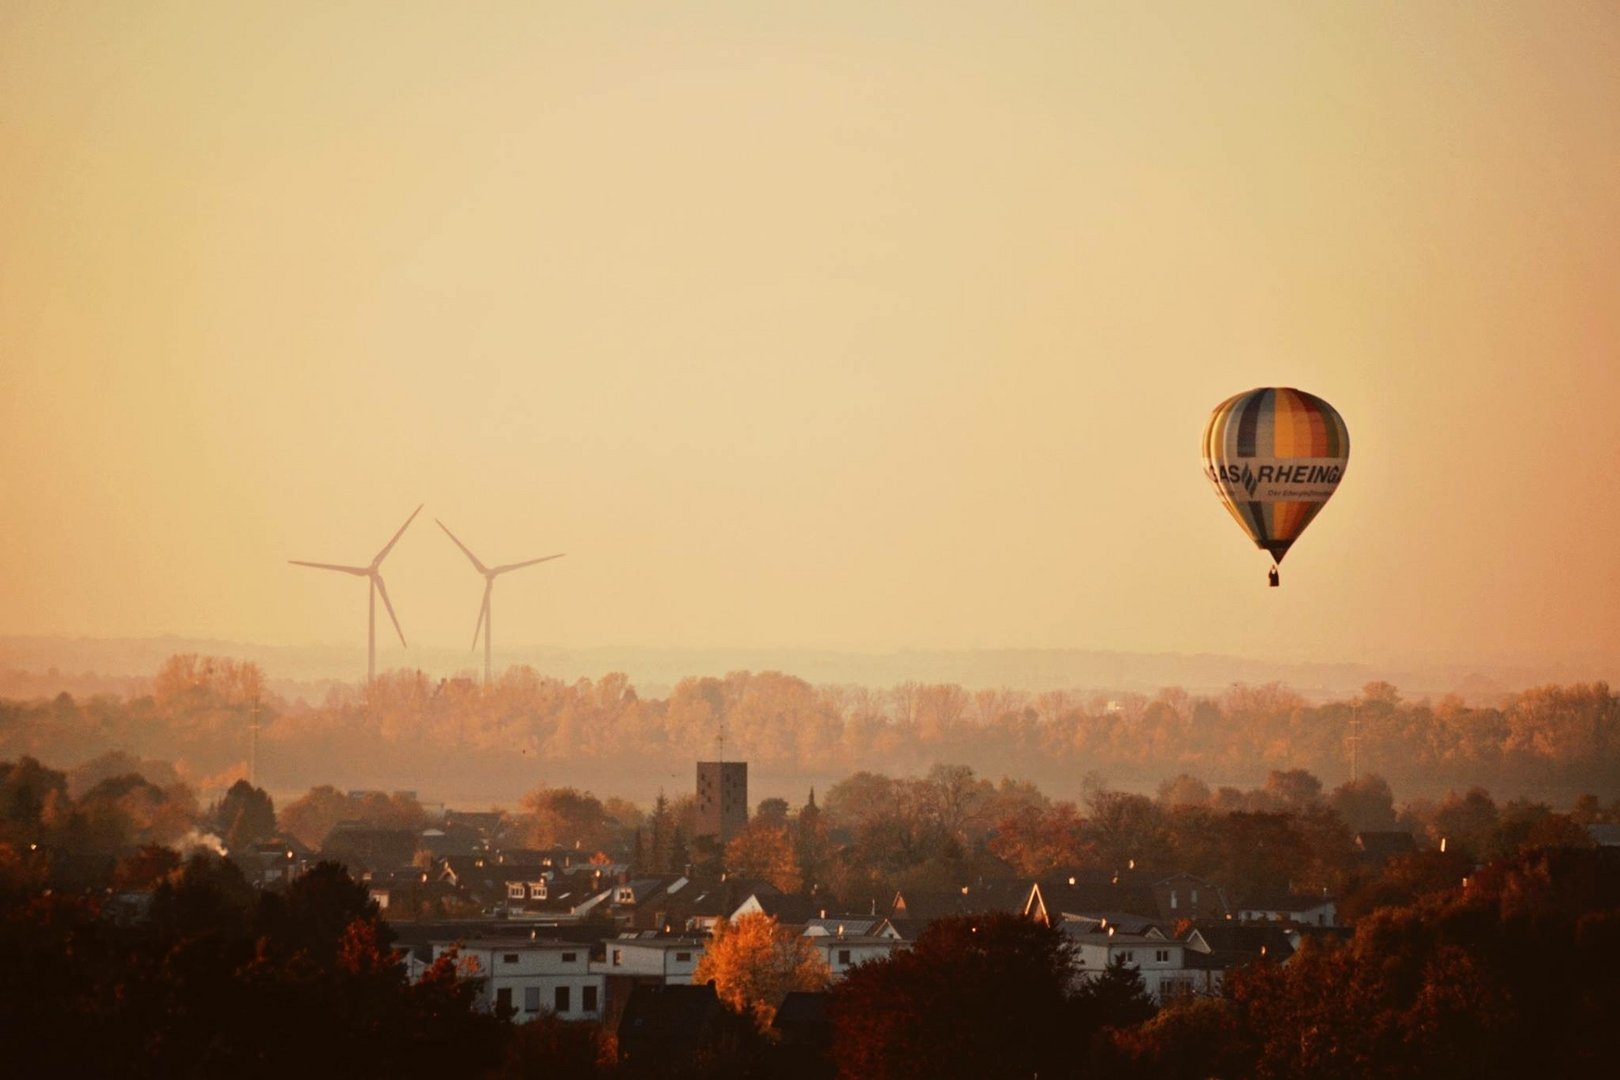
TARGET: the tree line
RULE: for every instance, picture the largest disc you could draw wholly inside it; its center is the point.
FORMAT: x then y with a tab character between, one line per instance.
200	711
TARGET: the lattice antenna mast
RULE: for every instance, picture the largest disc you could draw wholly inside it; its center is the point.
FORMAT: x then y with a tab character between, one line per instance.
253	745
1354	738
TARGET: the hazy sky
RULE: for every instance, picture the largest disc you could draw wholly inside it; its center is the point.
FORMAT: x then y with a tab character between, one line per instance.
844	325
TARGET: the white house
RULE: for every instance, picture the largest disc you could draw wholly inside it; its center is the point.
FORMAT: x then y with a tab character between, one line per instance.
1160	961
1306	909
669	959
533	975
843	953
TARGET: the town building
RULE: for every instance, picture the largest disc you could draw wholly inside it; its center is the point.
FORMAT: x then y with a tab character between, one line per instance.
722	798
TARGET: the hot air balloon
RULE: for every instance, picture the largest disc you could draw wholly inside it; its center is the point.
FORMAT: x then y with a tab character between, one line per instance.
1275	456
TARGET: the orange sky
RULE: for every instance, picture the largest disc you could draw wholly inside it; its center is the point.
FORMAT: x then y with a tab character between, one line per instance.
840	328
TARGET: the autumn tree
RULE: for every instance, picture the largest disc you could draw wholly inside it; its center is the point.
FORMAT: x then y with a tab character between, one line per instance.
1183	790
765	853
1365	804
772	812
125	810
1466	820
1126	828
1037	841
313	815
1293	789
754	964
565	817
31	797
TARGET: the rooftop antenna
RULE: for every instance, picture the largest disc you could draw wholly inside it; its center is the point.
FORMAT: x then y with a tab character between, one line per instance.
490	574
373	572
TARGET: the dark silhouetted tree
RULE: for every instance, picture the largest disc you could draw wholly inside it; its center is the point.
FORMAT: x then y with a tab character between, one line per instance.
246	815
976	996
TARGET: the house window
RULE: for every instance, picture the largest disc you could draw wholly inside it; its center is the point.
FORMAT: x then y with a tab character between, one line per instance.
514	891
569	958
683	958
1129	956
618	957
503	999
509	958
1172	899
588	999
1195	897
1161	956
1170	989
843	958
531	999
562	999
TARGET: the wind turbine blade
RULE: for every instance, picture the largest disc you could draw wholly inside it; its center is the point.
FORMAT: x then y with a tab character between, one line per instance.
360	571
383	554
521	565
383	589
483	617
476	564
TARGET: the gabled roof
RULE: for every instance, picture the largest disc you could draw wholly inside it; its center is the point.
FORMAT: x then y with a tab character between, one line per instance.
981	898
1087	892
908	929
794	910
1121	922
1224	943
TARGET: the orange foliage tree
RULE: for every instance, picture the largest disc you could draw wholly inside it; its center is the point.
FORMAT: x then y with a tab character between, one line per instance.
754	964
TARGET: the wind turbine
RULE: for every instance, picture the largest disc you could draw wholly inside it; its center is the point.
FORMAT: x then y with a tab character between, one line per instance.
490	574
374	572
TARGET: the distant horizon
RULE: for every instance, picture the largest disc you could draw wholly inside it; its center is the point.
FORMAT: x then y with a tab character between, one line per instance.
658	668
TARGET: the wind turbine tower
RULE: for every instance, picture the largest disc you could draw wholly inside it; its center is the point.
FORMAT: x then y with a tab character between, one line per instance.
490	574
374	572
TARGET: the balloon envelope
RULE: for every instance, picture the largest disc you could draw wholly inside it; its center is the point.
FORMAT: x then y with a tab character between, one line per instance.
1275	455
